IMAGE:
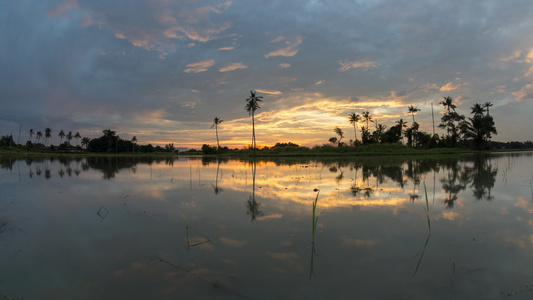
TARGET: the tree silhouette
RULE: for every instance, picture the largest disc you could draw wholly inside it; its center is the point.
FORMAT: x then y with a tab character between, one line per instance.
354	118
217	122
367	117
477	109
487	105
340	133
77	136
38	136
31	133
85	142
401	124
252	104
61	135
69	137
47	135
448	104
133	141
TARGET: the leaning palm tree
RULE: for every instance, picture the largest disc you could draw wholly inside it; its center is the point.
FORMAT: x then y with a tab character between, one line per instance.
354	119
252	104
487	105
448	103
217	122
340	133
38	136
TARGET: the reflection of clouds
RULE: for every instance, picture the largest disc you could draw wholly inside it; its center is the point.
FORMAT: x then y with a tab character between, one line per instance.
351	242
451	215
232	243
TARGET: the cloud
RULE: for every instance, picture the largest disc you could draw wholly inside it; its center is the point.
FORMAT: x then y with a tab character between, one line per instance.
200	66
525	94
233	67
226	48
449	87
346	65
59	11
284	65
289	50
269	92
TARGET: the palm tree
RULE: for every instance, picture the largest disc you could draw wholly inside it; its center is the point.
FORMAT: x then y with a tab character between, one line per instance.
448	103
354	119
217	122
47	135
38	136
487	105
69	137
477	109
340	133
61	135
133	141
85	142
367	117
110	136
31	133
401	124
77	136
413	110
252	104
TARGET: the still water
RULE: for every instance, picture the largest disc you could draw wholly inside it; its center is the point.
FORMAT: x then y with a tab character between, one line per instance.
454	227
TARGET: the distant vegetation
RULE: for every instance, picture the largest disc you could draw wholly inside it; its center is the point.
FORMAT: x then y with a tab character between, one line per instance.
474	133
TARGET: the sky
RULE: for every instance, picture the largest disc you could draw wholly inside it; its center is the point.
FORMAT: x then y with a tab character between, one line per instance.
162	70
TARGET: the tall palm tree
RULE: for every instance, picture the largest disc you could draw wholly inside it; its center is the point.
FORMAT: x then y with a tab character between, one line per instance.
77	136
477	109
31	133
47	135
413	110
448	103
367	117
487	105
401	124
69	136
61	135
354	119
133	141
217	122
38	136
252	104
109	136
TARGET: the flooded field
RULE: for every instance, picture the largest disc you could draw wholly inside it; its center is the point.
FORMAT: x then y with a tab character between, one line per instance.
453	227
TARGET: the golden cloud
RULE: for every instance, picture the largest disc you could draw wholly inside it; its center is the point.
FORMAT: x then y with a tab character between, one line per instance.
200	66
289	50
525	94
449	87
233	67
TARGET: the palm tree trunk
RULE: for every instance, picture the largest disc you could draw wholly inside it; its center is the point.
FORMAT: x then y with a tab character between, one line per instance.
253	131
218	144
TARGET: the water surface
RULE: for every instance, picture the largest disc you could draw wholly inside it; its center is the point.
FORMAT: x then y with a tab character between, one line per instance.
453	227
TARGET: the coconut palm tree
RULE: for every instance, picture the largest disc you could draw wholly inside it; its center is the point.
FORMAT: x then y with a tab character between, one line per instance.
217	122
354	118
401	124
413	110
85	142
133	141
477	109
38	136
367	117
448	103
47	135
69	136
487	105
77	136
31	133
252	104
61	135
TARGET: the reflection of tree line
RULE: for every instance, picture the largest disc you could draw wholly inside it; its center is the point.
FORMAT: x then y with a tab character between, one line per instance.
69	166
476	172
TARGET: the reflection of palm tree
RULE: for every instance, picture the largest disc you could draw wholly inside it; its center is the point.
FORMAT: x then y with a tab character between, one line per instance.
216	188
217	122
251	204
354	118
252	104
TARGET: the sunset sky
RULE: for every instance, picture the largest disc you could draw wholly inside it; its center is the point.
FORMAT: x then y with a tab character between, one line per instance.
161	70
